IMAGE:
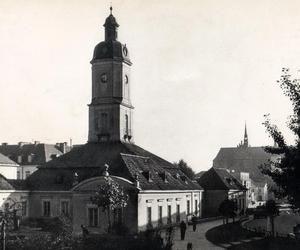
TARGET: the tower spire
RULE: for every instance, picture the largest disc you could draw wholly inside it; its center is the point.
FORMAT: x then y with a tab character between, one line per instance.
245	136
110	8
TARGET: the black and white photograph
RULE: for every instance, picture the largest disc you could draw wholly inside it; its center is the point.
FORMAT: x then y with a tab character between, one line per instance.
149	125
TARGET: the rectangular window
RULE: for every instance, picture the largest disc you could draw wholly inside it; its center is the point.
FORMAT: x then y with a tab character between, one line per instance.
118	216
93	217
160	216
46	208
149	216
178	213
24	208
196	207
188	207
169	214
64	206
27	173
18	175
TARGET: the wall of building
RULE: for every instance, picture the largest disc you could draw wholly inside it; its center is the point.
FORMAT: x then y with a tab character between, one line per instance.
155	199
24	170
81	204
8	171
212	200
36	199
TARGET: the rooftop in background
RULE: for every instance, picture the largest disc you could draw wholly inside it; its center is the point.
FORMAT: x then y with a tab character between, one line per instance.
243	159
35	153
4	160
219	179
125	160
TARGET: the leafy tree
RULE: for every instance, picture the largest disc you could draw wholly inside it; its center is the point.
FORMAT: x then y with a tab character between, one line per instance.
228	209
185	168
272	212
285	172
110	197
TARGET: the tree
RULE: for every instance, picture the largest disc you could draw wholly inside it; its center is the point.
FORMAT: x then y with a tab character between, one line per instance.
272	211
185	168
285	172
228	209
110	197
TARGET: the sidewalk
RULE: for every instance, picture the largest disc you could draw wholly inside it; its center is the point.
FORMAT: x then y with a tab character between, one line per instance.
197	238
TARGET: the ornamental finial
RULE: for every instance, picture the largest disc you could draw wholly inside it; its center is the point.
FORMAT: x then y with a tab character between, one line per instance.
105	172
111	8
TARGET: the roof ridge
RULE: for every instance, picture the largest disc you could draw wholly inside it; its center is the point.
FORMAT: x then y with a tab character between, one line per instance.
138	156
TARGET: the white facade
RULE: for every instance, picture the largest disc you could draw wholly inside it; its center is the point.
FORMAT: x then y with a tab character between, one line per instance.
178	201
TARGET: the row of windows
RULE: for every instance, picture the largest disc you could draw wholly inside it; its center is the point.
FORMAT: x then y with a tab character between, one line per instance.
93	216
169	212
27	173
64	208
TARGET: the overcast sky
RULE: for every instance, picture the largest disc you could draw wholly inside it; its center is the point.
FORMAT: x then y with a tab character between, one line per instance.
200	70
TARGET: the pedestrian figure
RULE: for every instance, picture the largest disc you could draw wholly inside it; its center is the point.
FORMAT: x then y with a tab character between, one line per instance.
85	232
194	222
189	246
182	229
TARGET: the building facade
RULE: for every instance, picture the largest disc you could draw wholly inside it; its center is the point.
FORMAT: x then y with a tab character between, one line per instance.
159	193
220	185
28	156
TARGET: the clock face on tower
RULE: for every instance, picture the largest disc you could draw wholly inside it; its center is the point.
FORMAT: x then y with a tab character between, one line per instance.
103	78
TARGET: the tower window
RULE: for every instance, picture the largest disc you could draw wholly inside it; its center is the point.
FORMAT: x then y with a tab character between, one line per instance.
126	79
102	122
126	125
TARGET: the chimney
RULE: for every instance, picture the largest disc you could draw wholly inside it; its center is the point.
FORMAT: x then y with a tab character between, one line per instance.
4	143
36	142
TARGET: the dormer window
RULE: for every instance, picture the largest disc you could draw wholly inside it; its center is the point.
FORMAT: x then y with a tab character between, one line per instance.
183	178
177	176
148	175
164	176
19	159
29	158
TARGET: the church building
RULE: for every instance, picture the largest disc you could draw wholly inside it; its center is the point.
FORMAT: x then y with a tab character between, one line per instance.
159	193
243	162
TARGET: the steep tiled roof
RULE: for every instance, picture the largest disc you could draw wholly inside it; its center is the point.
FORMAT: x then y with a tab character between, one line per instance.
161	176
219	179
6	161
243	159
40	153
4	184
124	159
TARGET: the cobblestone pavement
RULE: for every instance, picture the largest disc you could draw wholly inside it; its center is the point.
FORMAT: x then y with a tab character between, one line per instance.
197	238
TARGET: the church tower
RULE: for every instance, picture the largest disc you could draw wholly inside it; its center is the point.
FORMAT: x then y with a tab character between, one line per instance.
110	111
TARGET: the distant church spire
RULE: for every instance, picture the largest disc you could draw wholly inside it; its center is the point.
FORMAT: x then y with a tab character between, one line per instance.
245	136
